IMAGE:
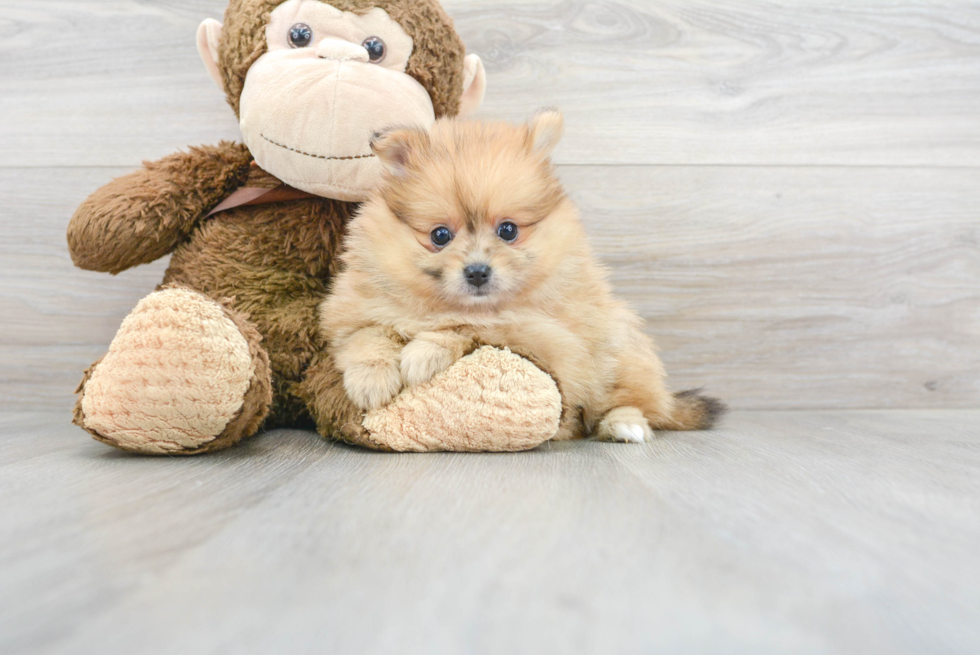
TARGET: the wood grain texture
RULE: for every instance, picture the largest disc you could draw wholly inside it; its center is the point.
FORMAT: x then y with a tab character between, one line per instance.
804	532
773	287
57	319
799	287
86	82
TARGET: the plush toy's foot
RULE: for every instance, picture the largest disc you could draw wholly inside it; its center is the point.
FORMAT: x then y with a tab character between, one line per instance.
489	401
184	375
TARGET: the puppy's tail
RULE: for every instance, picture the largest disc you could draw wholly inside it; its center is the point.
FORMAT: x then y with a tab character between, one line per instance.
692	411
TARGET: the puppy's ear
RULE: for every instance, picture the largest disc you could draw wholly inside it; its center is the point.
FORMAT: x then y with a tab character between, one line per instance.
398	147
546	129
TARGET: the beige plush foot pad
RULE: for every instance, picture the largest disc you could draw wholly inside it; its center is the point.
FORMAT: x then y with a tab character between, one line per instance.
489	401
175	375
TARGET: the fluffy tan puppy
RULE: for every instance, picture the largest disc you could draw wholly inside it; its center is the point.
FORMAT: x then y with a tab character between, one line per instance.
470	241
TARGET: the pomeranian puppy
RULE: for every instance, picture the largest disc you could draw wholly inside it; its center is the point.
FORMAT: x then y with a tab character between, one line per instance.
471	240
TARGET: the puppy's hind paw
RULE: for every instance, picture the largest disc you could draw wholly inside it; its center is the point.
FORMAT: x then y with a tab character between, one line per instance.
422	359
629	432
624	425
371	386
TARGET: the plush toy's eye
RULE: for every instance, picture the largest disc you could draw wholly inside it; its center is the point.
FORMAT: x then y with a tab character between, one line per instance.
441	236
300	35
376	49
507	231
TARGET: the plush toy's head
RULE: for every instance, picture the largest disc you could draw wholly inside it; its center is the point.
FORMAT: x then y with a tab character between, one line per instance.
312	82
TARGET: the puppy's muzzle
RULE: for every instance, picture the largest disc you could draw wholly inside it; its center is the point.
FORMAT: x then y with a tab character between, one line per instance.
477	274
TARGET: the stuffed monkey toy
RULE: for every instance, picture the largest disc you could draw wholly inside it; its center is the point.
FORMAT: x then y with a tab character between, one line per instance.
228	343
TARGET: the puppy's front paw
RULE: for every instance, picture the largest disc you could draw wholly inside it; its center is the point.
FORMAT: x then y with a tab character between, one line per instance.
624	425
422	359
372	385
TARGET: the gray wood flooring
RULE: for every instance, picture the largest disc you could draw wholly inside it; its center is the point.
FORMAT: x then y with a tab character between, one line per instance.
782	532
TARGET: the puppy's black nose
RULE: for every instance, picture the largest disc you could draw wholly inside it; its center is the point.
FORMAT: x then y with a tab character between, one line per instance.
477	274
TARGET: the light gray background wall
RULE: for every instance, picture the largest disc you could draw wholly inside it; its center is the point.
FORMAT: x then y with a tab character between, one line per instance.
789	192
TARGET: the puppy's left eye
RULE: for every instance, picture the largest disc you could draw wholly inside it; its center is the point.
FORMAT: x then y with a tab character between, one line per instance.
441	236
508	232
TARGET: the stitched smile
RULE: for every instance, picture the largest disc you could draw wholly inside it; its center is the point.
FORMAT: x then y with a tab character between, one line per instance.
309	154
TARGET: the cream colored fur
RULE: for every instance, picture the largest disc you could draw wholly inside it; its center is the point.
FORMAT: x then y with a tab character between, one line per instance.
494	401
156	389
403	302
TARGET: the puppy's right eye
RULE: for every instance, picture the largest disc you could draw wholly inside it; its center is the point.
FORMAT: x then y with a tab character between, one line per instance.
508	232
441	236
300	35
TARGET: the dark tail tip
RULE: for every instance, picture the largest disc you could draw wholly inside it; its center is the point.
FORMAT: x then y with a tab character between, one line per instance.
706	411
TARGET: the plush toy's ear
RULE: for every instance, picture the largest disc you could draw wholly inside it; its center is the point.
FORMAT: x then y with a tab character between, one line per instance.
546	129
208	37
397	146
474	85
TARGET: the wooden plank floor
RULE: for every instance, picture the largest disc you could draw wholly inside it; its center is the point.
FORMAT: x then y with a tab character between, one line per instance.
803	532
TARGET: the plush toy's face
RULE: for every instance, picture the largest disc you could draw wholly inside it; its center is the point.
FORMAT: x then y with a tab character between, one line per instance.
325	83
329	80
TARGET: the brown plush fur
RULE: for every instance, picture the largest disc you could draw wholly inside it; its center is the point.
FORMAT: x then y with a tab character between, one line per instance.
258	398
323	392
268	264
436	62
273	263
140	217
402	310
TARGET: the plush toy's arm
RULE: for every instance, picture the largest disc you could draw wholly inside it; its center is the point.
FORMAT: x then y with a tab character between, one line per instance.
138	218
